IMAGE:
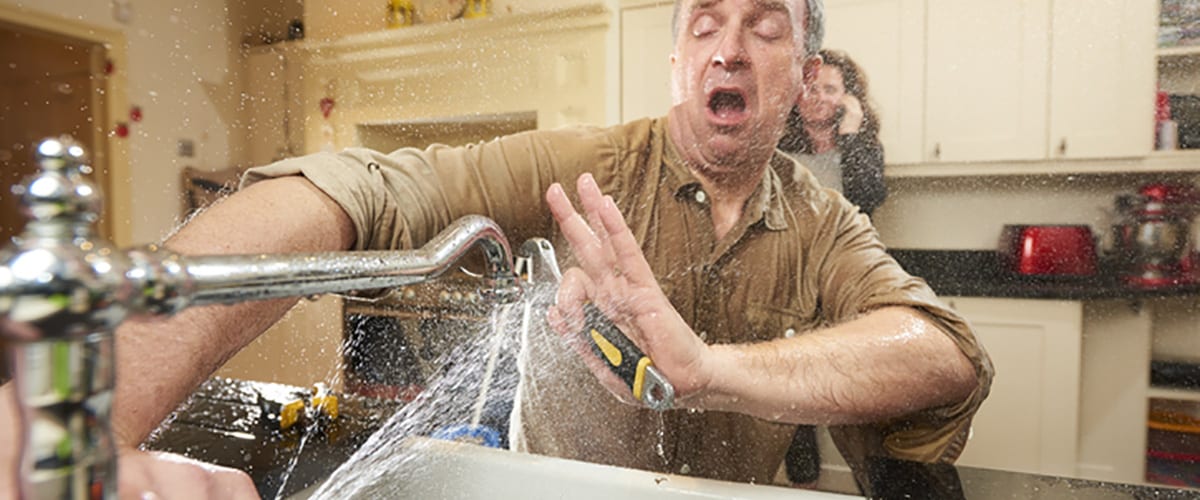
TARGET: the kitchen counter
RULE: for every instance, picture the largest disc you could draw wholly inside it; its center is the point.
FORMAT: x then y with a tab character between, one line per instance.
232	423
978	273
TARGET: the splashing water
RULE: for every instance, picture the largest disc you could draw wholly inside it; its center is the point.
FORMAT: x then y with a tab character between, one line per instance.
480	370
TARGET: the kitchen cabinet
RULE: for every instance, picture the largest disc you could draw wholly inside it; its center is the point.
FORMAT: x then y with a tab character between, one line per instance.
1030	420
1070	393
1010	80
986	71
1116	378
1102	78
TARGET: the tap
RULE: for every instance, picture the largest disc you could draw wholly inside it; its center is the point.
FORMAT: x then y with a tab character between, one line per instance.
63	291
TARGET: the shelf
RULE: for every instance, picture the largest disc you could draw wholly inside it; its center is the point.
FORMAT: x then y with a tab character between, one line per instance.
1181	161
1180	51
1174	393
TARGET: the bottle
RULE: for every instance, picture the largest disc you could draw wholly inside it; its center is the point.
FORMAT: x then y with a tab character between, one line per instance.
399	13
477	8
1166	132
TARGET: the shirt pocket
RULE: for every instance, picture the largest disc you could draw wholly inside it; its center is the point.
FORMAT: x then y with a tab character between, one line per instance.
770	321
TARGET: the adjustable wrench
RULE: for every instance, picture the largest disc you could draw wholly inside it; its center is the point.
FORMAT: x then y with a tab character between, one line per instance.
537	266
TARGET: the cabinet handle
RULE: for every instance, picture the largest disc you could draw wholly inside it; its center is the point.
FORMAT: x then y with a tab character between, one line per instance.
1062	147
937	150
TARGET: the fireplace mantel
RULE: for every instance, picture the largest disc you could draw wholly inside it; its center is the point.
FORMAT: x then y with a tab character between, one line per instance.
552	63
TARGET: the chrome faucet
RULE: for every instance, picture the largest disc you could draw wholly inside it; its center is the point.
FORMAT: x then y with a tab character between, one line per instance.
63	291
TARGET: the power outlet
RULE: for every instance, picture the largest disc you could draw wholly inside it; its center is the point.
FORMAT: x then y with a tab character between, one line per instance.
187	148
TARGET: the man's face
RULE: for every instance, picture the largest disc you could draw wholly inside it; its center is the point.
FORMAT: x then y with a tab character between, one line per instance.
736	72
823	100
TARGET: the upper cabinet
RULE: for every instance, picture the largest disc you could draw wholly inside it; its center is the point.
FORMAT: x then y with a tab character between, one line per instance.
1013	80
986	73
1102	78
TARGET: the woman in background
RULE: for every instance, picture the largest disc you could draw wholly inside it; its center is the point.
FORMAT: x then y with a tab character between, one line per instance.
834	131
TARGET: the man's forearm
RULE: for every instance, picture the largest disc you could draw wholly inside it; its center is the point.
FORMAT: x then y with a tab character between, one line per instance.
160	361
888	363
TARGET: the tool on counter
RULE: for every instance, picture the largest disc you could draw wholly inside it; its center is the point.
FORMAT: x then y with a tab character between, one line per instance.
620	354
322	402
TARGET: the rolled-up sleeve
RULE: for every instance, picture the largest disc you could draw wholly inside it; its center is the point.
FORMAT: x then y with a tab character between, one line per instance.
402	199
859	276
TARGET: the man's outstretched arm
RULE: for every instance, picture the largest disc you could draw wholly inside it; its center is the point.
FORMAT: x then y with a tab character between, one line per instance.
891	362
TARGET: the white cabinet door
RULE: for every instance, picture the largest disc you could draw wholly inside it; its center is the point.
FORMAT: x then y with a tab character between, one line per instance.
1116	375
645	70
986	71
1030	420
887	39
1102	78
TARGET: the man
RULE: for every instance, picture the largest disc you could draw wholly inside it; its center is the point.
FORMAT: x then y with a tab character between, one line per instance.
726	278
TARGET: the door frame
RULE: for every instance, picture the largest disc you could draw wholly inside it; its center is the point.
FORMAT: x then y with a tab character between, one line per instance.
115	154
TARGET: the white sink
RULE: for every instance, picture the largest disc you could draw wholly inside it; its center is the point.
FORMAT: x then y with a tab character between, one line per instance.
453	470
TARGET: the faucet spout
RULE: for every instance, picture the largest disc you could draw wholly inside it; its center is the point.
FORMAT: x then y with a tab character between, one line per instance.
174	282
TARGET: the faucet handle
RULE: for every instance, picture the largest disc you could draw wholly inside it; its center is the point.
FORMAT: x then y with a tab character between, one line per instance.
60	189
57	281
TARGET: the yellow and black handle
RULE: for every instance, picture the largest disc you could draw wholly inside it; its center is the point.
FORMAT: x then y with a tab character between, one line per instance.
625	360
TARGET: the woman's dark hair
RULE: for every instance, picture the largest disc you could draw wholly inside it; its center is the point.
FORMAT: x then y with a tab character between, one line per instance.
795	140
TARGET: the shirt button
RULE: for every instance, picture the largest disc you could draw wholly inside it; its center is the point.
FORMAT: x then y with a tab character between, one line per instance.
685	469
701	197
704	335
791	332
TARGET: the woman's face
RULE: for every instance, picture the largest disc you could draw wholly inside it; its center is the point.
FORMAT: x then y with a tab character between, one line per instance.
822	101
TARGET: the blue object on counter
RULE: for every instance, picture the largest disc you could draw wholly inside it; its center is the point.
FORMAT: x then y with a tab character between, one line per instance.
481	434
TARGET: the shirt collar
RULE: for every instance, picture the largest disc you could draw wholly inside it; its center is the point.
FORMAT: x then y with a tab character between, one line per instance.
766	203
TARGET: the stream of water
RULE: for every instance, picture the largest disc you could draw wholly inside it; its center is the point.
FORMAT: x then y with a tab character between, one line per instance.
482	364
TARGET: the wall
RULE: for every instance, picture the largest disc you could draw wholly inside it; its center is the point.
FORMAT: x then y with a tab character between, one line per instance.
182	66
329	19
969	212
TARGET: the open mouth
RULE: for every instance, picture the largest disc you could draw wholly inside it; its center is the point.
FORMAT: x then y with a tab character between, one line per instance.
727	105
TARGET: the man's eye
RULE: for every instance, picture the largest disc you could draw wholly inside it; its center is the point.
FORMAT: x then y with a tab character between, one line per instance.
771	27
704	25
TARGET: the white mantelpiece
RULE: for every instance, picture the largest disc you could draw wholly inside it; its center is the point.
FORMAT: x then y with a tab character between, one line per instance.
551	63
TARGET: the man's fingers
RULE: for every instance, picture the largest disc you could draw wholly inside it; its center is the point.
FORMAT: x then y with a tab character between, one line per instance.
588	248
573	292
625	247
592	201
233	484
164	475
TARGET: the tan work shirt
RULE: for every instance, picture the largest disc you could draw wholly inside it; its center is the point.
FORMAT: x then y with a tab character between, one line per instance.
800	258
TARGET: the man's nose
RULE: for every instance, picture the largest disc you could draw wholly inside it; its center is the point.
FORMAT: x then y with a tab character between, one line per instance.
731	53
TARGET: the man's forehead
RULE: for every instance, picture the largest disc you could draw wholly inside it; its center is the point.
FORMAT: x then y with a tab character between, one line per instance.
794	7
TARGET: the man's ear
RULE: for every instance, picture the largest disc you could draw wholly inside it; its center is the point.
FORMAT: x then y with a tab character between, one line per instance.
809	69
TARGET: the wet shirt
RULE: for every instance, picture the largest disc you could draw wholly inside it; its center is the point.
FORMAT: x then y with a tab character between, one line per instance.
800	258
826	167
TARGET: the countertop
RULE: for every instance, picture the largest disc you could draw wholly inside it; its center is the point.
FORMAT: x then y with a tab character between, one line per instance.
978	273
230	422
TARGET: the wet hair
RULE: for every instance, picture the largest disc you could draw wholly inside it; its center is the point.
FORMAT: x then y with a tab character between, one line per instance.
796	140
814	28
